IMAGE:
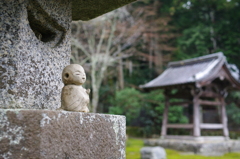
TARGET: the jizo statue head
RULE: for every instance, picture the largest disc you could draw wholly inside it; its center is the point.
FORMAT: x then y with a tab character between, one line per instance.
73	74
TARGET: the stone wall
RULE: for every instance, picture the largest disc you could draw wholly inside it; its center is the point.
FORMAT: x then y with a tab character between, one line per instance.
47	134
204	148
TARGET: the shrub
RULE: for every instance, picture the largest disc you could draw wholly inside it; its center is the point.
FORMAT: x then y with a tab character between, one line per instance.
144	110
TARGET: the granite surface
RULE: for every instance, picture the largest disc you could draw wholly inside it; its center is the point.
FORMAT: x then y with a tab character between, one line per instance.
47	134
34	48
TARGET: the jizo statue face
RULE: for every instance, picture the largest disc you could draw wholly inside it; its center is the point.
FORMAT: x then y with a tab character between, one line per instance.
74	74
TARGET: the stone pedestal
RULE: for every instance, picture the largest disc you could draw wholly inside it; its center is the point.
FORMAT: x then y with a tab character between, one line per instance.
47	134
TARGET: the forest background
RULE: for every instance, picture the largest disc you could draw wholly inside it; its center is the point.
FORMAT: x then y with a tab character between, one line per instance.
132	45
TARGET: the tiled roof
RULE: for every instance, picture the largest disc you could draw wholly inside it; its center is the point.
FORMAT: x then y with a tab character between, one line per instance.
190	71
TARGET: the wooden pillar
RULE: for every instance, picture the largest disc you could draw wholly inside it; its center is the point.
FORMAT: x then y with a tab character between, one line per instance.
165	117
196	116
224	117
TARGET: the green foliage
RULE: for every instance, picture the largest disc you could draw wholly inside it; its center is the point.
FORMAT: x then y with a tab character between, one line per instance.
233	111
107	91
144	110
175	115
139	75
207	27
127	102
195	41
134	131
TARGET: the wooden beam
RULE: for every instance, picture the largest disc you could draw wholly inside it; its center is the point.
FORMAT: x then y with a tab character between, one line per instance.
210	103
196	116
180	96
211	126
165	118
184	103
209	94
224	117
180	126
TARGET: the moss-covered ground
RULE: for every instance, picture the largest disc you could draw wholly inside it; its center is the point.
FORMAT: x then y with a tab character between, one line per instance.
134	145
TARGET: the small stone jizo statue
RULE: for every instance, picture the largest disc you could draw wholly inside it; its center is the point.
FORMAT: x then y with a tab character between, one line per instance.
74	97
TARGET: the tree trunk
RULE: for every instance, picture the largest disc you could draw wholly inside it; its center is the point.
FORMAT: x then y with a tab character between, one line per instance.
95	99
120	74
212	32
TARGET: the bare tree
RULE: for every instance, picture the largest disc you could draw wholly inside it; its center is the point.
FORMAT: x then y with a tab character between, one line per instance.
158	42
103	42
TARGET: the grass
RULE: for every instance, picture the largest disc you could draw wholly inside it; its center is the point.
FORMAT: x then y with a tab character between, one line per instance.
134	145
171	154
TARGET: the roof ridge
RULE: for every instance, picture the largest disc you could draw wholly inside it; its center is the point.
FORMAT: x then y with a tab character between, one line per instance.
218	55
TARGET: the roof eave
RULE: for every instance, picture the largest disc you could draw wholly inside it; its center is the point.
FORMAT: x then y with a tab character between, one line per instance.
236	83
166	86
